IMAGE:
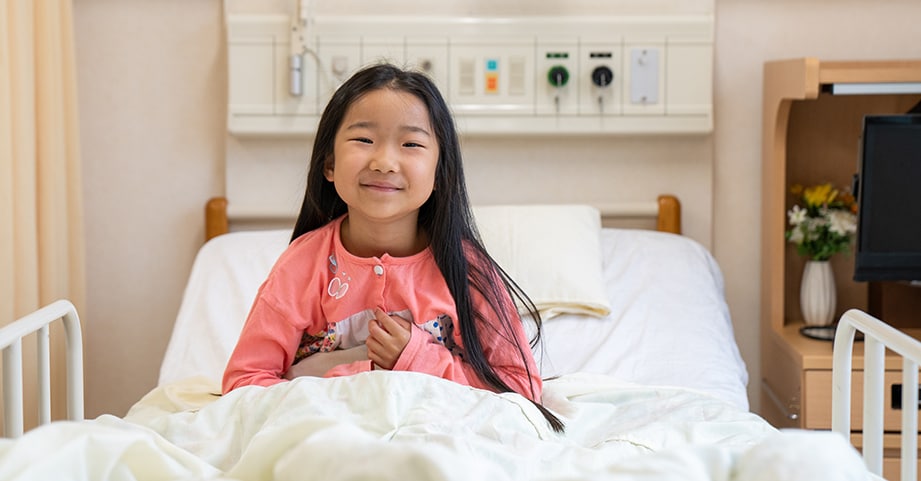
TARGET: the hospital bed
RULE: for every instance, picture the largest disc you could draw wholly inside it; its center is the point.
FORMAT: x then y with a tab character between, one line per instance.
638	356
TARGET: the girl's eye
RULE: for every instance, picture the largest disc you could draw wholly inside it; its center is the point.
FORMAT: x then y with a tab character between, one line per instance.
412	144
363	140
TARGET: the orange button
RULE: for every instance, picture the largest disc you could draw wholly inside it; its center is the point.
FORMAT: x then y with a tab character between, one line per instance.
492	83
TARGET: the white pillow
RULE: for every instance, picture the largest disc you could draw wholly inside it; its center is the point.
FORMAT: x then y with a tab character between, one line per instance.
553	252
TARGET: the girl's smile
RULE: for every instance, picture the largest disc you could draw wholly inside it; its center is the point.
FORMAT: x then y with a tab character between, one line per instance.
380	185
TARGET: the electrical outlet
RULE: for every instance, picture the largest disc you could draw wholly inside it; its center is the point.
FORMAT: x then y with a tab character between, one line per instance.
557	77
600	78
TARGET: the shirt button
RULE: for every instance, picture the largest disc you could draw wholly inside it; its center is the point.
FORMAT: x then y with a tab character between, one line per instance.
379	270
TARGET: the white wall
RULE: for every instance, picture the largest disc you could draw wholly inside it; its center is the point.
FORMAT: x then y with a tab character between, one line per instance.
152	91
151	97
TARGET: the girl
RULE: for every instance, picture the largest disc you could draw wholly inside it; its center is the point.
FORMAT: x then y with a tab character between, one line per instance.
385	269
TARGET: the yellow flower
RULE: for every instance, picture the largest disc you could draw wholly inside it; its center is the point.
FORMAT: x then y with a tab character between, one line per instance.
820	195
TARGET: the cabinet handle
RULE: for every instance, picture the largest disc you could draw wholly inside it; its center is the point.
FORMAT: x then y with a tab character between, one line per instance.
896	392
790	410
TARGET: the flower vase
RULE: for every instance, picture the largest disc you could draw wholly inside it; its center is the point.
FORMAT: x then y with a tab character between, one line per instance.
817	294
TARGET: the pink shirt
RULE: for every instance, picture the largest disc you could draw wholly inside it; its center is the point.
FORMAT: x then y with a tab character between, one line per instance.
319	297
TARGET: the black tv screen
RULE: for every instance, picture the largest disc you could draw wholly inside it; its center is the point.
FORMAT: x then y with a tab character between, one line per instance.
889	199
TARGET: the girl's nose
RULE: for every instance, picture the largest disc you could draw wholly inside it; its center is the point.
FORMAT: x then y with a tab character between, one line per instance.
385	159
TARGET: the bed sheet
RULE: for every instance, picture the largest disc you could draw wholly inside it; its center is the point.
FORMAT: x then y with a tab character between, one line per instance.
669	322
668	325
402	425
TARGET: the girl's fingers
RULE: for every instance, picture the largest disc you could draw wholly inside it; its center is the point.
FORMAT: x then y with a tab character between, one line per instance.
387	337
391	324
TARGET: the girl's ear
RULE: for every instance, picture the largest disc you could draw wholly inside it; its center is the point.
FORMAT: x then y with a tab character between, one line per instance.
328	168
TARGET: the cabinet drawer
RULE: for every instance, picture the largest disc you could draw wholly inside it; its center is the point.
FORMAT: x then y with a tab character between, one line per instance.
817	400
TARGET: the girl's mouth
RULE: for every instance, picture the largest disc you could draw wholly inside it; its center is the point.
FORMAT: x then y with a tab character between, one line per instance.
381	186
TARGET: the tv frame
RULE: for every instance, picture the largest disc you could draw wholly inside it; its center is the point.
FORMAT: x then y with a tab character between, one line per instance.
883	264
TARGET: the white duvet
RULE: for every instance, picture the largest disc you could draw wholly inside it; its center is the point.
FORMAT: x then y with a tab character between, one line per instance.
408	426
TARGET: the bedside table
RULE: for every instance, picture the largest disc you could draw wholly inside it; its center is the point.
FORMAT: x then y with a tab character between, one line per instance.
796	388
809	137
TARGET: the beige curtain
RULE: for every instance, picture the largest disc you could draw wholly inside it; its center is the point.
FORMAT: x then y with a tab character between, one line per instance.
41	213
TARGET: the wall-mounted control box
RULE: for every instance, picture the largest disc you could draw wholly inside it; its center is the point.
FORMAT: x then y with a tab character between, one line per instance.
519	75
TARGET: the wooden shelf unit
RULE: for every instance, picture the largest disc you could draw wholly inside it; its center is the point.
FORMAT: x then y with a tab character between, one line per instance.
809	137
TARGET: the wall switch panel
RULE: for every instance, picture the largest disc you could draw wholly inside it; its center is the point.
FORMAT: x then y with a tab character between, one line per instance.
486	83
517	75
644	76
645	80
620	75
466	77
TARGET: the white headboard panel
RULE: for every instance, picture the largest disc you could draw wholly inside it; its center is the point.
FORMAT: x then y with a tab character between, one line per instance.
572	74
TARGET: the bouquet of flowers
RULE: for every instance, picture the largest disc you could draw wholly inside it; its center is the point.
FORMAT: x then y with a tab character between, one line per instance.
824	224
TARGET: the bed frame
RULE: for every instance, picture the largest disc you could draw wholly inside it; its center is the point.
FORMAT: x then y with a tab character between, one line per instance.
11	337
878	336
666	210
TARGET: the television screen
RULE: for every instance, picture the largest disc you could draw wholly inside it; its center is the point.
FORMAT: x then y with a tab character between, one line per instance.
889	199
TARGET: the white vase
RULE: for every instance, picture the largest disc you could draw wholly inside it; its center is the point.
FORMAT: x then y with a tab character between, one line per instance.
817	294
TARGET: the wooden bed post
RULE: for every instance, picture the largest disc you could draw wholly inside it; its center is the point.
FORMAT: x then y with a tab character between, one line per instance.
215	217
669	218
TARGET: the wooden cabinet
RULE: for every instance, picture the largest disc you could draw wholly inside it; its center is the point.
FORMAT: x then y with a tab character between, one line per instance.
811	136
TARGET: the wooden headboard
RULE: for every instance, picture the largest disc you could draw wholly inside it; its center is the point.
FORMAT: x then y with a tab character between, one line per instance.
667	213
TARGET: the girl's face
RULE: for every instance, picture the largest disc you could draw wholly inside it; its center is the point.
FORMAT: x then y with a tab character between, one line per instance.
384	157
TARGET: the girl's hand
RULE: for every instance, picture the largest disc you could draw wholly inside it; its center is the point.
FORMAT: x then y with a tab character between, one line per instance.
317	364
387	337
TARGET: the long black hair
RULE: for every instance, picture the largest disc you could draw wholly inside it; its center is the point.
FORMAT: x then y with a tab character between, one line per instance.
445	217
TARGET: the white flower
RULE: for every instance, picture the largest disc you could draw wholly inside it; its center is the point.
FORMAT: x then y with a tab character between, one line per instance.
796	215
842	222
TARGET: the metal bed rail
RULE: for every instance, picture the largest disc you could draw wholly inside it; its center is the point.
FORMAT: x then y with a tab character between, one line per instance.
11	337
878	336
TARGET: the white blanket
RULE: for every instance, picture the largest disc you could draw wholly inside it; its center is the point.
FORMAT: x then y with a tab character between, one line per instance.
407	426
